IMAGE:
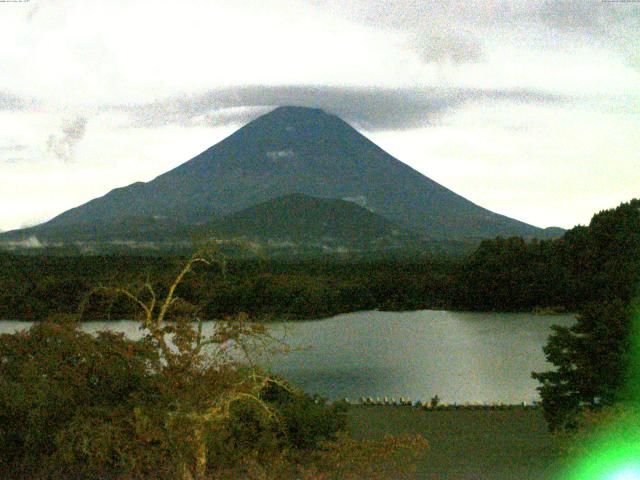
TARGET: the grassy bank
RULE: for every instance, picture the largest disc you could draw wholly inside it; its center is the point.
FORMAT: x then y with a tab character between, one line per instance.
468	444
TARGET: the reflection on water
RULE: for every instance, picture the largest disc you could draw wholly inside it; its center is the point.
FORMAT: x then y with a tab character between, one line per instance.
461	357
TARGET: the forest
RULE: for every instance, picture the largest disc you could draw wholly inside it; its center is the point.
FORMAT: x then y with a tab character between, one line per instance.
587	264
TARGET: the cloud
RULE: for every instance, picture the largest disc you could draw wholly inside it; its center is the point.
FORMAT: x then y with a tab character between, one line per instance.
13	148
585	17
457	31
368	108
12	151
280	154
446	49
33	11
611	25
63	146
31	242
14	103
437	31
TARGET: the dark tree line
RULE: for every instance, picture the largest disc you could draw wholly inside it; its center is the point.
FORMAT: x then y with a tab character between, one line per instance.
35	287
509	274
594	357
588	264
592	270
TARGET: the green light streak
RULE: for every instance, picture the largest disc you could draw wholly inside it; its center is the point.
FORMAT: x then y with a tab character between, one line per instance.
613	455
613	449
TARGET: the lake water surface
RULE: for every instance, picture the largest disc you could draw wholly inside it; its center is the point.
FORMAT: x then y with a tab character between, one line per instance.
461	357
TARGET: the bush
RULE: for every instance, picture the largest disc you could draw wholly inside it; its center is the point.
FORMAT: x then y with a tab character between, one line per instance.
51	377
306	421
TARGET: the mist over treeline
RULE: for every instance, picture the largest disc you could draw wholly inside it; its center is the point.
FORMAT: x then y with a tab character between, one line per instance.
587	264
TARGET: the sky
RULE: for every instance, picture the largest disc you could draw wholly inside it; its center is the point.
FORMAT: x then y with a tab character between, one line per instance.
528	108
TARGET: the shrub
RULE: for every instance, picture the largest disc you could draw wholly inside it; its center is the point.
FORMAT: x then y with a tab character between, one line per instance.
52	373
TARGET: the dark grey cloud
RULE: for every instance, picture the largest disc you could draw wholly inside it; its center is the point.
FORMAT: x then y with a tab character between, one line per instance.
367	108
408	15
611	25
455	30
438	31
62	146
473	17
590	17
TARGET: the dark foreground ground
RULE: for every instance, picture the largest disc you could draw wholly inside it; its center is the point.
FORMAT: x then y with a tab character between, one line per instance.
469	444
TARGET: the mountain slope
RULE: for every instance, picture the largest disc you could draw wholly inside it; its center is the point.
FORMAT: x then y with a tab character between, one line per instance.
299	218
294	149
294	224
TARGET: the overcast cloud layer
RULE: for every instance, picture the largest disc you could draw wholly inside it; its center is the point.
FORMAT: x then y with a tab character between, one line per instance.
529	108
370	108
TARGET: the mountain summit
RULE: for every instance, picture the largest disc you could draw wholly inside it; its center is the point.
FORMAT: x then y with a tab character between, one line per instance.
293	150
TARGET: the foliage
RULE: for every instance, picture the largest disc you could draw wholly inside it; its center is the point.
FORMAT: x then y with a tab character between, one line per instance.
589	359
50	375
593	356
34	287
588	264
178	403
510	274
306	420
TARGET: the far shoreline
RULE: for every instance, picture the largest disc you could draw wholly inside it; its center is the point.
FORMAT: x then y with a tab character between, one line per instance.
290	318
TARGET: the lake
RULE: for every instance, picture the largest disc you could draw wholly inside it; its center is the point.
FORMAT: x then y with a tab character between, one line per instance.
460	356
